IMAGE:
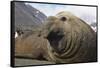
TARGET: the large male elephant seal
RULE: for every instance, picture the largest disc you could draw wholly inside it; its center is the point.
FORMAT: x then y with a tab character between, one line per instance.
64	38
71	39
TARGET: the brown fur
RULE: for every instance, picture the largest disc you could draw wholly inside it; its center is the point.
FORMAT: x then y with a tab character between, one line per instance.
31	46
71	39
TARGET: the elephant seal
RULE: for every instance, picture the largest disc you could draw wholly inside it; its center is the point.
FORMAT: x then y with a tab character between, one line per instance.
71	39
31	46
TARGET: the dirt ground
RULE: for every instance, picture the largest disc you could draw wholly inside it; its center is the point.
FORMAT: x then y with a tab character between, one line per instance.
25	62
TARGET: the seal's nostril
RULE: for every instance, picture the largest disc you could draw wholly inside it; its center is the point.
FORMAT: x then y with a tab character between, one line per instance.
63	18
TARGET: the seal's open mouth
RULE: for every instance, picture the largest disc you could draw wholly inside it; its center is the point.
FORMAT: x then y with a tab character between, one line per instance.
54	39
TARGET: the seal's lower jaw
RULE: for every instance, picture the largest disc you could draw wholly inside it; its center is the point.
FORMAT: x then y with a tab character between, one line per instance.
54	38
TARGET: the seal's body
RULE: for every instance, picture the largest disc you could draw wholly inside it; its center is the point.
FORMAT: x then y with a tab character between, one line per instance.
71	39
32	47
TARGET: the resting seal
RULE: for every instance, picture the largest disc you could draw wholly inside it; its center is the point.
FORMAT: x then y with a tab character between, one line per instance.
31	47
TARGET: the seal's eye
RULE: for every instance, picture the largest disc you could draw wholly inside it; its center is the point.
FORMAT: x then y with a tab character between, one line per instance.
63	18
